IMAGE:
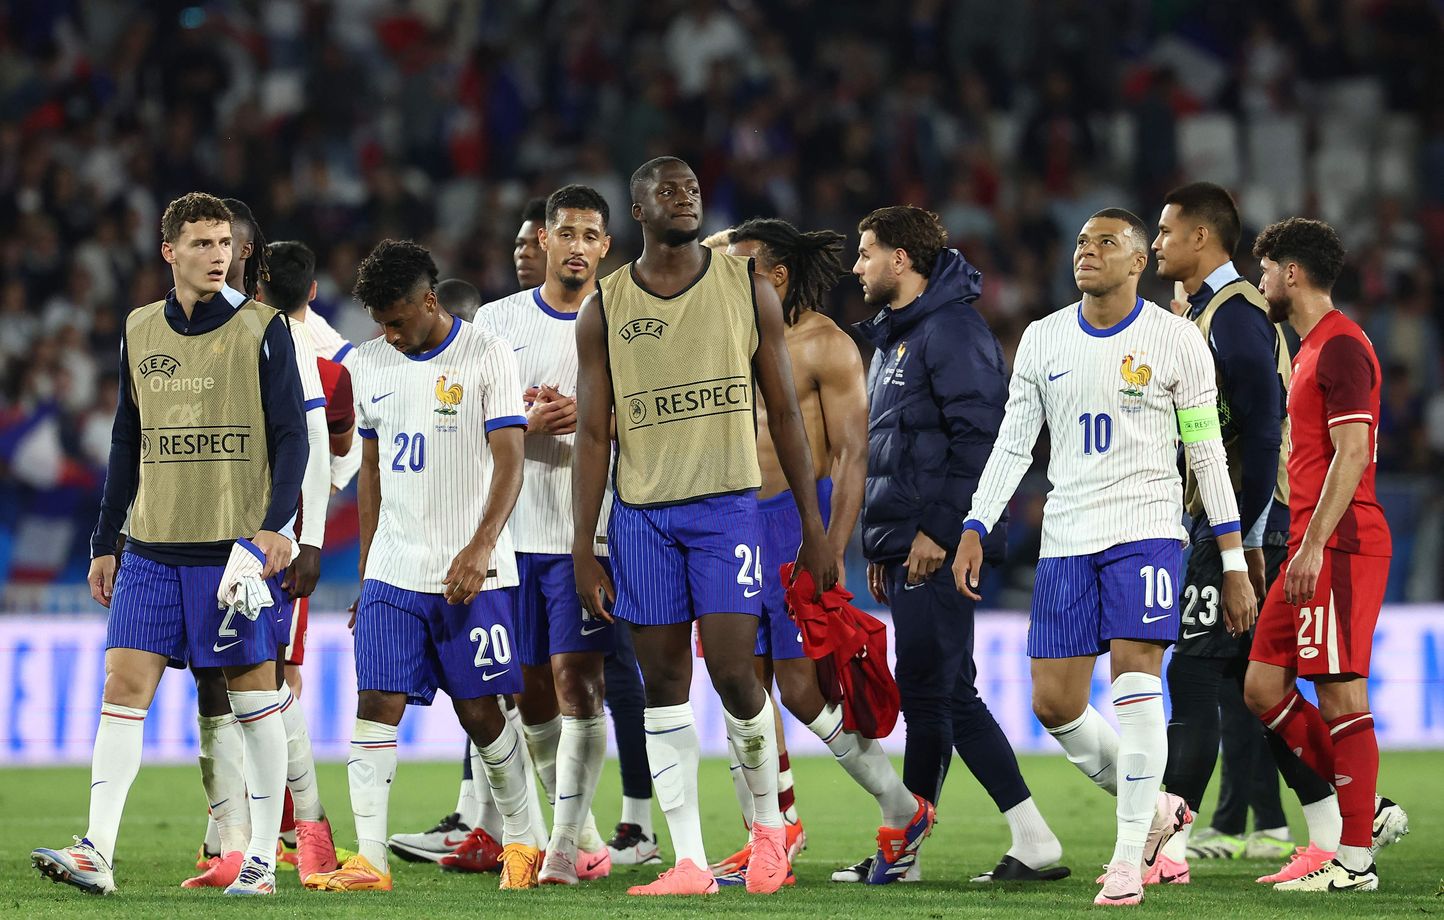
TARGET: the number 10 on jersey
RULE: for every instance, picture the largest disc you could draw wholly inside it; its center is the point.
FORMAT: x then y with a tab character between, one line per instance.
1097	432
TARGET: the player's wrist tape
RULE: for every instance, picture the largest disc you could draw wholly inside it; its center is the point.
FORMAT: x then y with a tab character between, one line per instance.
1198	424
1233	560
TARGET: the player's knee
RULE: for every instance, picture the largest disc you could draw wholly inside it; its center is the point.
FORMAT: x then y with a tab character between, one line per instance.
481	718
211	696
579	694
1052	711
124	688
293	679
800	697
739	690
376	706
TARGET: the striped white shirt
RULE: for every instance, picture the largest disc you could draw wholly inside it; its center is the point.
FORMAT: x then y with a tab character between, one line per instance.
1109	398
328	342
545	344
430	416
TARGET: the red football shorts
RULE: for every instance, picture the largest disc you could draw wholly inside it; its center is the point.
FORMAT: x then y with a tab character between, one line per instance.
296	648
1333	633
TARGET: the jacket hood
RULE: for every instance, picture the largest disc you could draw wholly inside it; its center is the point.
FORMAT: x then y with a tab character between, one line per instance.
954	281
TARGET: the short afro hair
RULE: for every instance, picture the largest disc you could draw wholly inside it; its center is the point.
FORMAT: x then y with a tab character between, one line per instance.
535	211
1312	244
190	208
459	298
392	272
647	172
293	268
1212	206
917	232
577	197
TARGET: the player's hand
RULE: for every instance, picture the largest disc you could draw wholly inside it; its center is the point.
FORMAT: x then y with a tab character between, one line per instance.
1240	609
467	572
351	623
594	587
1254	556
552	416
102	579
925	558
277	549
1179	304
1302	576
877	582
304	572
817	558
968	565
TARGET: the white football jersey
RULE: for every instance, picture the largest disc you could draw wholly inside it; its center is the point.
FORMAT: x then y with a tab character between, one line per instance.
327	341
545	344
1110	399
430	416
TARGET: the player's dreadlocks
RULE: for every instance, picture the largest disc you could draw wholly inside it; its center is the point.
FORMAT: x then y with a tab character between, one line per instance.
813	260
258	265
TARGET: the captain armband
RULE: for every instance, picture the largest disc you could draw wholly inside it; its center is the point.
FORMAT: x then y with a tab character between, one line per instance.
1198	424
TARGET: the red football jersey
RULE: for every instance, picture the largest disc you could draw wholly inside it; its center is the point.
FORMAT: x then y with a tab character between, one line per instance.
336	385
1335	382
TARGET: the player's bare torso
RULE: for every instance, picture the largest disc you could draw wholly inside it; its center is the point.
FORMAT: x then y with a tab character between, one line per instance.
812	342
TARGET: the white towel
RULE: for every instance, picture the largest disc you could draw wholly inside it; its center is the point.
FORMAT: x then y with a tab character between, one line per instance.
242	589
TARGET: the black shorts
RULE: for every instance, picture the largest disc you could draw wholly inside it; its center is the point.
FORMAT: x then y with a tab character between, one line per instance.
1202	631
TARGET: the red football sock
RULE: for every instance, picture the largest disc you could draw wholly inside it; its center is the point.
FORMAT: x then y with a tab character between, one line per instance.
786	798
288	815
1356	760
1303	728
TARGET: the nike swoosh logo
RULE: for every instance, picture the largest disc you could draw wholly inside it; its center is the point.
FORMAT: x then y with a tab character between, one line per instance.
377	399
216	805
1157	618
518	348
913	587
1194	635
289	779
1138	779
751	593
593	863
663	770
487	675
1052	377
563	798
594	629
258	798
450	841
218	648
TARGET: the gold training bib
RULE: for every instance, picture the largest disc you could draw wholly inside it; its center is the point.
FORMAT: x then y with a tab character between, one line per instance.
682	384
204	472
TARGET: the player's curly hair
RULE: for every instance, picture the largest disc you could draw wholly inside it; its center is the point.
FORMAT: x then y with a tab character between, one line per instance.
917	232
189	208
1313	244
257	266
392	271
813	260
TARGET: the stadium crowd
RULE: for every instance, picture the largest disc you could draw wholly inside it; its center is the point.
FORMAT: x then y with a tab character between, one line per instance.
431	120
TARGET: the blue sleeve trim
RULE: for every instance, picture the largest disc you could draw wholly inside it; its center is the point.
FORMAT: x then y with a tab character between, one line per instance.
975	526
506	421
318	403
252	548
342	352
1231	527
368	433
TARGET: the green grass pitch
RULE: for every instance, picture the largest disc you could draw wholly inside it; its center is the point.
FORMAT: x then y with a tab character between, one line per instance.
164	821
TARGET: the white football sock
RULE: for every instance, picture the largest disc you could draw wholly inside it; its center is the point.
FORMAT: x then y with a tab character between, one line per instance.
505	770
487	816
865	761
784	786
113	764
222	758
1325	824
468	806
539	825
638	812
369	771
1355	859
1142	755
1176	848
1034	843
1092	746
264	734
541	742
673	751
739	784
580	752
755	740
300	761
213	833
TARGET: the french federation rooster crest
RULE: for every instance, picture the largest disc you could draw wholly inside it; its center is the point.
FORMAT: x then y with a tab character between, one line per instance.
450	396
1135	379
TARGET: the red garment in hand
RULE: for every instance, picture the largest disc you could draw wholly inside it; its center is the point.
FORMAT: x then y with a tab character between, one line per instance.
850	648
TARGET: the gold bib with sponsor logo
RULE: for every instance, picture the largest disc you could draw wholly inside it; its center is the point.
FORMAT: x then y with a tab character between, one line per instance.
682	384
204	472
1192	498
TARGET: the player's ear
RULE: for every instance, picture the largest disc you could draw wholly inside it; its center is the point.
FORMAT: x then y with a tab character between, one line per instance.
167	252
636	212
606	246
541	238
778	277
